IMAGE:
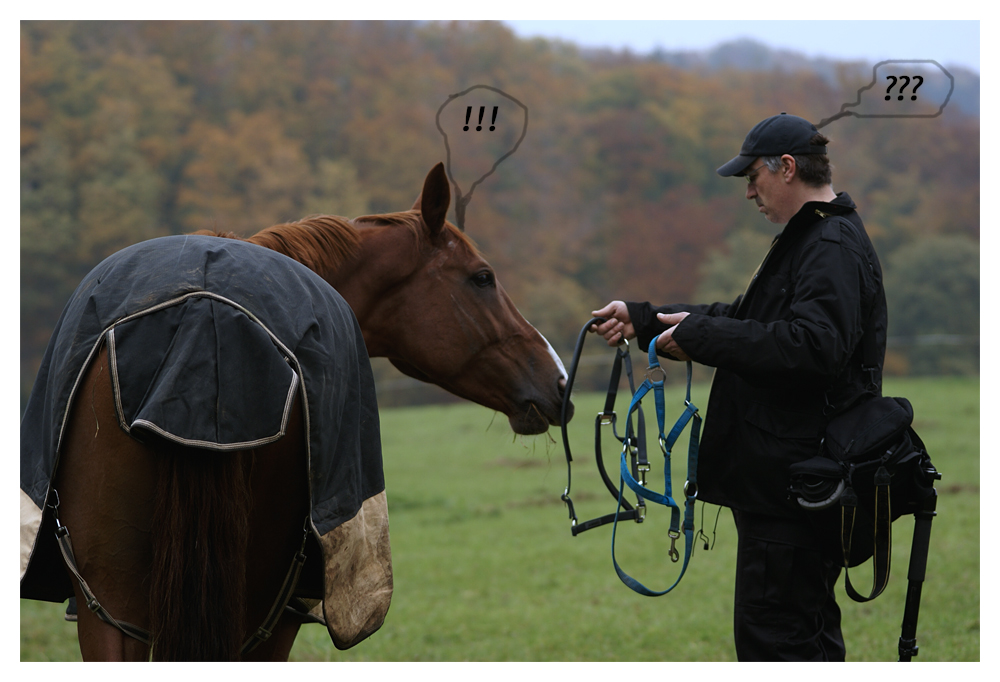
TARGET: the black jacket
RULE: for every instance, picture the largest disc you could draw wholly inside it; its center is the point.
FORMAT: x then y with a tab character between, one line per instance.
787	354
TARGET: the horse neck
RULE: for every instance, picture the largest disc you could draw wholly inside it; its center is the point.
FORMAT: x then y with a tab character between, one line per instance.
368	278
363	261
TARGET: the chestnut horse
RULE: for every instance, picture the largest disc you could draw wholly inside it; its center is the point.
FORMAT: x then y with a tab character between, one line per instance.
195	548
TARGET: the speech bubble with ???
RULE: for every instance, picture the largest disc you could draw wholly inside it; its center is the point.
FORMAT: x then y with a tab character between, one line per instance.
483	120
901	88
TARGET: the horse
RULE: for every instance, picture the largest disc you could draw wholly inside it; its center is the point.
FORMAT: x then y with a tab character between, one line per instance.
191	545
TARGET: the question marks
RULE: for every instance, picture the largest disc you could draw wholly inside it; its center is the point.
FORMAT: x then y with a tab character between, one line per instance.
474	153
907	79
900	103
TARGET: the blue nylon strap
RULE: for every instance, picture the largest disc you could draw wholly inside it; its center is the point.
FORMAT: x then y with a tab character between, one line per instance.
691	415
643	491
675	433
634	584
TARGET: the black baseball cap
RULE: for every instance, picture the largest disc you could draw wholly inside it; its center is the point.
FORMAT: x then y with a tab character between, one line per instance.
775	136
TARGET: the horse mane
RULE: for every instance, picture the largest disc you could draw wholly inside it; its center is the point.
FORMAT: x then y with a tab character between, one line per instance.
320	242
413	220
323	242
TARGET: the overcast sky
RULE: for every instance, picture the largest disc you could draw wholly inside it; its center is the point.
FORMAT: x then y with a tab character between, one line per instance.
946	42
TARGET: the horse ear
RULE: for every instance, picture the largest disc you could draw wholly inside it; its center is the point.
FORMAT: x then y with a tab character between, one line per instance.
434	200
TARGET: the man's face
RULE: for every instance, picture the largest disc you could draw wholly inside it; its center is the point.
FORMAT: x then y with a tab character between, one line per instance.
769	191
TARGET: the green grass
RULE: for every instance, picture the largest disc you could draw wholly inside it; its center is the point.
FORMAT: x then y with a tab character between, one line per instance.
486	568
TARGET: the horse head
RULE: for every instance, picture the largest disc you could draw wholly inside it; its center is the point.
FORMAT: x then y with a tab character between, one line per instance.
441	315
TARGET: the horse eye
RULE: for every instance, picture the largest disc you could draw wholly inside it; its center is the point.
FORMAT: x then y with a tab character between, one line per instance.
483	279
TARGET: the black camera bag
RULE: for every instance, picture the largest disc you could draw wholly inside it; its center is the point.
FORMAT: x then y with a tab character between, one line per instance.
873	469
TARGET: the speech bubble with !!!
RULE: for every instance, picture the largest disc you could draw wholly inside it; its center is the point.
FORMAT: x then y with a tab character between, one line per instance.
895	85
484	122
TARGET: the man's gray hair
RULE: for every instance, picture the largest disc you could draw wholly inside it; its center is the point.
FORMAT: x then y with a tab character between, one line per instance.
813	169
773	163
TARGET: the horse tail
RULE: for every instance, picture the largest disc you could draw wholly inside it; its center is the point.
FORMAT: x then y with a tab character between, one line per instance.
200	535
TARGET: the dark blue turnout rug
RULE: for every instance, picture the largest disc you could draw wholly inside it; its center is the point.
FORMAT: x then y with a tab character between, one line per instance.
209	341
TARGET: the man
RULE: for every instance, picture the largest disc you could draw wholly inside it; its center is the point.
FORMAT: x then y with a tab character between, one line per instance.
787	355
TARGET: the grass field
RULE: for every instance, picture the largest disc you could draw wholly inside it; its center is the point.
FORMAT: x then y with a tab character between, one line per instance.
486	568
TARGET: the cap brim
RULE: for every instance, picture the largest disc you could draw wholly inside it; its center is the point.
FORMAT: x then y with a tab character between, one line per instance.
735	166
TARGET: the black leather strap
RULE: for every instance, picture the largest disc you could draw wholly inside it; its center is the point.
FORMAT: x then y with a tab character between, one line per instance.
284	594
66	549
629	515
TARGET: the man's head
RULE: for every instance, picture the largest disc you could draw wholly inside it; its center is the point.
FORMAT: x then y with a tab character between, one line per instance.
784	160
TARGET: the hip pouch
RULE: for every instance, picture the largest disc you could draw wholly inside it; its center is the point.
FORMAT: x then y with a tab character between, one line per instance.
873	468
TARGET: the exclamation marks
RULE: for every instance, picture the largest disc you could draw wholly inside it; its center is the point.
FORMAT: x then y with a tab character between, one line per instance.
482	111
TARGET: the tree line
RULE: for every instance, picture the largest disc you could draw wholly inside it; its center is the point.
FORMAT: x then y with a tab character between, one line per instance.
133	130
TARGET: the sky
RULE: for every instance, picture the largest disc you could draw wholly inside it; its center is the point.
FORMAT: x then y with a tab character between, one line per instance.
946	42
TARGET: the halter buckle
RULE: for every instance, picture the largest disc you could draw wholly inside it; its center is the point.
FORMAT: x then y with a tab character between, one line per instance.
640	512
603	418
674	554
642	469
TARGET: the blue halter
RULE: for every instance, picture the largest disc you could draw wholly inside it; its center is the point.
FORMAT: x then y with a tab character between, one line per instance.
666	498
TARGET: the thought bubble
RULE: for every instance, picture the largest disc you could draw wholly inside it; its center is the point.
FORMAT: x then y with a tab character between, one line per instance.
483	125
901	88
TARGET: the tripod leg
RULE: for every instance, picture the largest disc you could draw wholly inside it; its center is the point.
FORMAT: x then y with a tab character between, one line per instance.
915	576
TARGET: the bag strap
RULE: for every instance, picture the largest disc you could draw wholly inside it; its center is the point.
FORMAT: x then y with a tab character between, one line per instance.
869	364
883	535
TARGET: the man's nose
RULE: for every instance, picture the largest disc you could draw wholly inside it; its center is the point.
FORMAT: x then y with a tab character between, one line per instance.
751	191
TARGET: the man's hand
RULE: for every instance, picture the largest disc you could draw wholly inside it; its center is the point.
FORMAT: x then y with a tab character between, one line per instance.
618	325
665	341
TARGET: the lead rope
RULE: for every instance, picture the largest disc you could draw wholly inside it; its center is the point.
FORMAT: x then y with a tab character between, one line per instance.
143	635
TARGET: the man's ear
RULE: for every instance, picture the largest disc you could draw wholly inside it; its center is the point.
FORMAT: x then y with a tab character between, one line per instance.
788	167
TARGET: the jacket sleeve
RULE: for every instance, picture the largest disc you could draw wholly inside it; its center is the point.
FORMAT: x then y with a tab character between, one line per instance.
647	327
815	339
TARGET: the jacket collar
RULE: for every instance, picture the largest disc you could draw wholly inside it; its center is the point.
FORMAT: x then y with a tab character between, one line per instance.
813	211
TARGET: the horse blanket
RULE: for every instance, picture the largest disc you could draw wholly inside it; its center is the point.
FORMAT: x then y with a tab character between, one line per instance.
209	341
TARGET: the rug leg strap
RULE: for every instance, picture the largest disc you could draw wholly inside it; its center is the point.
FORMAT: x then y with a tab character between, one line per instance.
66	548
287	588
143	635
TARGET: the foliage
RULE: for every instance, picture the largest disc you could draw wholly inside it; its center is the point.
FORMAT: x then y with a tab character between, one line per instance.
131	130
485	568
932	288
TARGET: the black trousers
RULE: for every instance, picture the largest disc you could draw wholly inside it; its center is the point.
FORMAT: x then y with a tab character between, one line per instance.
785	608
